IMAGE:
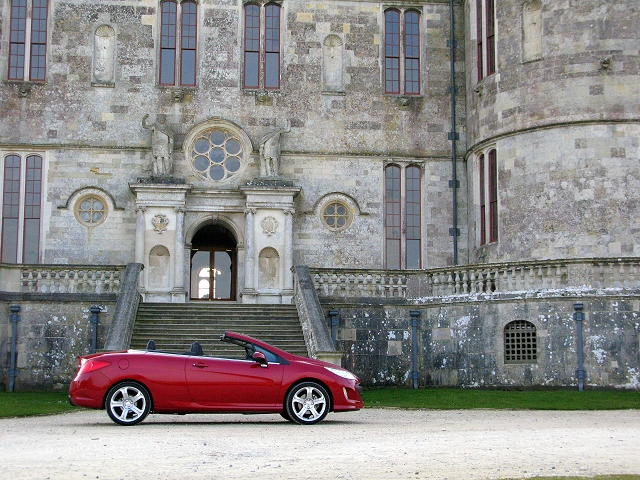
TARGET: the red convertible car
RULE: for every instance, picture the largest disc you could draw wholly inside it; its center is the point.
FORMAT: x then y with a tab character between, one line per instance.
261	379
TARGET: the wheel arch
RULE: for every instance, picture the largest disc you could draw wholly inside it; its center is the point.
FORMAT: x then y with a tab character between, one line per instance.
124	380
308	379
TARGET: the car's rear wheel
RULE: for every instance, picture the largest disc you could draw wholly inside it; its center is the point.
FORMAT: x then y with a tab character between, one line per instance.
128	403
307	403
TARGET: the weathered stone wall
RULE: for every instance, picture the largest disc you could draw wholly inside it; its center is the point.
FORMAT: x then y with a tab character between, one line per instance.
586	71
52	331
562	113
565	192
92	137
462	344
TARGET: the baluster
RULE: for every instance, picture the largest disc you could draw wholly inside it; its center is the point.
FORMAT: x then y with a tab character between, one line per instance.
632	275
465	282
531	281
450	287
31	283
611	276
623	276
64	282
472	281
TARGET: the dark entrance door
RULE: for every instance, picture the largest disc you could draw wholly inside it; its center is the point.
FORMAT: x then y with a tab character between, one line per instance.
213	264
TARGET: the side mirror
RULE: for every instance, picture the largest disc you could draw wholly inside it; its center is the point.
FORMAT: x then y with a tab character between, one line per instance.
260	358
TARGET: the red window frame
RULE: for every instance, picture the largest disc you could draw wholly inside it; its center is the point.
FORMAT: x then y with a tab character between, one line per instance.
493	196
491	30
393	217
480	38
188	43
392	51
412	52
403	217
37	44
483	204
13	202
179	23
168	42
251	77
272	46
262	46
11	208
413	216
32	206
402	52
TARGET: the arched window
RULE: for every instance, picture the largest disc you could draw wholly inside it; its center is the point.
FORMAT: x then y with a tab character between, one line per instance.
488	196
261	46
21	208
403	213
402	52
485	38
178	37
520	342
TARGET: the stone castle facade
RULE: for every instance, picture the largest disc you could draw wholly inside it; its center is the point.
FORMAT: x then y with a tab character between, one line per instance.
221	143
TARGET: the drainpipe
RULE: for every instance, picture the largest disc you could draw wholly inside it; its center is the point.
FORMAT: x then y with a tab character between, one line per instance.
454	184
578	316
15	318
415	374
95	319
333	323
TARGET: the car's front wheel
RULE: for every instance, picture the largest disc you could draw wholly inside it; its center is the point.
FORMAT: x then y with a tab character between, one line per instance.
128	403
307	403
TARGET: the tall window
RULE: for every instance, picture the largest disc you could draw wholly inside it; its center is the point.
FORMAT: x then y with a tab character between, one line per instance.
488	196
485	38
21	206
28	40
178	40
261	46
403	239
402	52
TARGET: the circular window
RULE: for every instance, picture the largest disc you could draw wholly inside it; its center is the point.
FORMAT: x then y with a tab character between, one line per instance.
336	215
216	154
91	210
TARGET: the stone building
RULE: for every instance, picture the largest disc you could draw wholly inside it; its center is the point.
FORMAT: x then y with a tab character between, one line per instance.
474	162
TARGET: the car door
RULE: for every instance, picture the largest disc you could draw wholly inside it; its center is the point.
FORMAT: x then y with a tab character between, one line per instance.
238	385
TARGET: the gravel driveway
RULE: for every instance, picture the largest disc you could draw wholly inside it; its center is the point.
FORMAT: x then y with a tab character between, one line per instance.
370	444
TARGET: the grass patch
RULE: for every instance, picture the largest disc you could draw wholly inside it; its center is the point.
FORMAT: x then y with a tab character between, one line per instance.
463	399
24	404
597	477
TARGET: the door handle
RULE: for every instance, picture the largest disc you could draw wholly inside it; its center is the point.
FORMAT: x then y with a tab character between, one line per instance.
200	365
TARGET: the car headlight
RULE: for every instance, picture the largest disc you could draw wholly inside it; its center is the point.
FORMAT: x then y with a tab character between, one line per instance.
342	373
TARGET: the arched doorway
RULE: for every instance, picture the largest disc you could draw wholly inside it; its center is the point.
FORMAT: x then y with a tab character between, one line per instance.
213	264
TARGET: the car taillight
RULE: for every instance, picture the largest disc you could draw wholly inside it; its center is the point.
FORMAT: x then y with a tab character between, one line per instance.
90	365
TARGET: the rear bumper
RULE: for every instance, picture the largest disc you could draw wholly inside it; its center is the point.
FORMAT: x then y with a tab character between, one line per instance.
88	390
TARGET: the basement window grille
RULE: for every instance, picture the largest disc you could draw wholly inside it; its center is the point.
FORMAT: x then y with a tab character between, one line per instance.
520	342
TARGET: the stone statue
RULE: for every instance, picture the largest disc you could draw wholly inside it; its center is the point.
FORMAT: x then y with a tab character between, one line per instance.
161	146
270	151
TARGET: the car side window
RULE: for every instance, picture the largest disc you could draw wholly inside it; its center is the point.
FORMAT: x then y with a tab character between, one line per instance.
271	357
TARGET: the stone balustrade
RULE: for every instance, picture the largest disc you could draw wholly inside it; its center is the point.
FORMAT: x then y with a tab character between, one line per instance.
359	283
548	275
66	279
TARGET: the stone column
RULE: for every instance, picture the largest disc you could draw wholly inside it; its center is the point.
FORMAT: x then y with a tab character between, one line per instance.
177	293
287	291
248	295
140	232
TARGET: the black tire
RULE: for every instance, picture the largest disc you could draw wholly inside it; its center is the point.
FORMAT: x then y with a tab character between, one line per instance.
128	403
307	403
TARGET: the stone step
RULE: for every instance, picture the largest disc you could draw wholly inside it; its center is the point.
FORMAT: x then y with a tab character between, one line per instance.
174	327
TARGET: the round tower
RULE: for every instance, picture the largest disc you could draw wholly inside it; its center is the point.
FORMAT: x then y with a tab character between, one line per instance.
553	126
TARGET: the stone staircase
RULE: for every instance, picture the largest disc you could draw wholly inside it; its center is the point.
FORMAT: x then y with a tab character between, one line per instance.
175	326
